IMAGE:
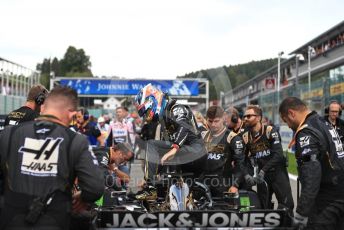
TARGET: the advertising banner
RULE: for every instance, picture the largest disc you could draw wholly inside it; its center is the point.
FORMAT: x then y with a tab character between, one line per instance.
130	87
201	219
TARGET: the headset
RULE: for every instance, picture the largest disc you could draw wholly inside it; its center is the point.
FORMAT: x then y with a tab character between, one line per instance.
234	119
85	113
327	109
233	112
39	99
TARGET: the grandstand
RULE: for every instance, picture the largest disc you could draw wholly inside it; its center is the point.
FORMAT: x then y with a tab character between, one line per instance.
314	72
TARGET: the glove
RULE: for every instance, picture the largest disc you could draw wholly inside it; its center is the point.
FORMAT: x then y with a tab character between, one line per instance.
260	177
249	180
299	221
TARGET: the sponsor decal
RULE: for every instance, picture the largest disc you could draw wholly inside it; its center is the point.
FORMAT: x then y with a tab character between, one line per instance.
13	122
274	135
262	154
215	156
305	151
190	219
44	130
40	157
338	143
304	141
120	132
239	144
178	113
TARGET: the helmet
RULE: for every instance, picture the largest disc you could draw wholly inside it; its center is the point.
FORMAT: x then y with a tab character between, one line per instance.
150	102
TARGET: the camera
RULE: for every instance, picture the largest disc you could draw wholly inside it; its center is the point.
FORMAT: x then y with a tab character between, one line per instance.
36	208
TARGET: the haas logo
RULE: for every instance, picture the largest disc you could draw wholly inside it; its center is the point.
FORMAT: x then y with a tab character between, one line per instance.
40	157
214	156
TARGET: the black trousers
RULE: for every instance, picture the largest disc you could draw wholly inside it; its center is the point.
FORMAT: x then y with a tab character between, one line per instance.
277	182
189	158
328	213
45	222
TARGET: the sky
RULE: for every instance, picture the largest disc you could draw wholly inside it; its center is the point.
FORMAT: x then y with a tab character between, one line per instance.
161	38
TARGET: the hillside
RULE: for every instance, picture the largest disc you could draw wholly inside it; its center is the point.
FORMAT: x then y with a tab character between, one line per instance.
227	77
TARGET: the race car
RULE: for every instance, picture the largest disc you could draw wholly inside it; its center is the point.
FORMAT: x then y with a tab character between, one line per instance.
182	201
186	203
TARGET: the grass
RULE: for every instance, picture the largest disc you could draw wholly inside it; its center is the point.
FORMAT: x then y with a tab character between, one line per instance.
292	164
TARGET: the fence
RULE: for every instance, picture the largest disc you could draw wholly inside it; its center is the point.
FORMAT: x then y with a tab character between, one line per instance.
324	87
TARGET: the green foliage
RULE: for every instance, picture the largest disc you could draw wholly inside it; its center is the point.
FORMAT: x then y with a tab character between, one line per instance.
75	63
234	75
45	80
292	166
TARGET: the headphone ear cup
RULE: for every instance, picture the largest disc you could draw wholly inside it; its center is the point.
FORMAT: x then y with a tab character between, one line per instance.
40	99
326	111
86	115
234	119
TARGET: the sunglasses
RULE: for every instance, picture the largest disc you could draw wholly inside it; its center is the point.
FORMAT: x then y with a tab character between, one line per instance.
248	116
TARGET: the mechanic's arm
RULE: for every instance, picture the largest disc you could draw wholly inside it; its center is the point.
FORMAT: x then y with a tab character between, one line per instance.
90	176
179	114
121	175
96	133
309	168
239	164
276	151
237	146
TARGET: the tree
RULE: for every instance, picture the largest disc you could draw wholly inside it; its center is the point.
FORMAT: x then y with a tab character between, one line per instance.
44	67
75	62
55	67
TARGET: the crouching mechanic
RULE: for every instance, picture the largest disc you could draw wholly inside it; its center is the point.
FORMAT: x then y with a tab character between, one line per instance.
109	159
321	202
225	152
41	164
182	145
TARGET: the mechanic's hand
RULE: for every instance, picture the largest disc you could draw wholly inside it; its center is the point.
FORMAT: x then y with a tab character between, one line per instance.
260	177
249	180
299	221
168	156
233	189
77	204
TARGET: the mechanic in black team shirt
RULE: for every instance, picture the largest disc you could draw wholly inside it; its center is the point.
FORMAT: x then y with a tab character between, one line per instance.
110	158
321	201
223	147
333	117
234	120
263	150
32	107
28	112
40	165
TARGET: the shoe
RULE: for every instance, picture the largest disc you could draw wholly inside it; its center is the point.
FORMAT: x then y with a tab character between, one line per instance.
148	193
